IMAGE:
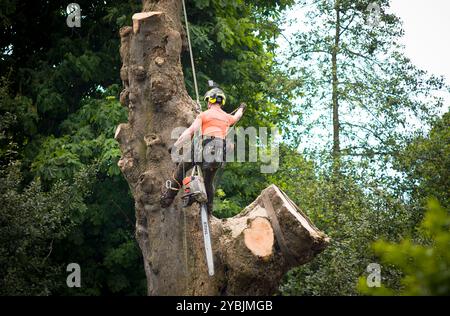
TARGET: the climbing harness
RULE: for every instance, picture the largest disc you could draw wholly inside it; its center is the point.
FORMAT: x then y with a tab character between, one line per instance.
194	75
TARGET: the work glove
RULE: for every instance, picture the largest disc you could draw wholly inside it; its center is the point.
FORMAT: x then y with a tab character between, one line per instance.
243	106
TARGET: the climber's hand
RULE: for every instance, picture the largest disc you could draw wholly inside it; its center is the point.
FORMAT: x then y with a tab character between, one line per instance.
243	106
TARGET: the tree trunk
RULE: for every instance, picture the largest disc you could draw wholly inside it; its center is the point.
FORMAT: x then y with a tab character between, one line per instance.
253	250
336	155
335	83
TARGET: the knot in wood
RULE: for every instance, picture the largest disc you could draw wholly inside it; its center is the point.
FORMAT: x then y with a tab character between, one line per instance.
139	73
124	74
146	181
125	31
159	61
125	97
152	140
125	164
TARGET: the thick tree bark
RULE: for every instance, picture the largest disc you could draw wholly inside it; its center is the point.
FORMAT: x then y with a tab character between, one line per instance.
253	250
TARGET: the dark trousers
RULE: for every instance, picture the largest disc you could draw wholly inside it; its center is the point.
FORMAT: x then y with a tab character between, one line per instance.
209	169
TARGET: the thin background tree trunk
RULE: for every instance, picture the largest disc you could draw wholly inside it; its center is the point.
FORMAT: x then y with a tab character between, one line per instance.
335	81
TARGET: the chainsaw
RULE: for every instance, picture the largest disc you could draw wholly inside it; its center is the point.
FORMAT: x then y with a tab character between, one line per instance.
195	191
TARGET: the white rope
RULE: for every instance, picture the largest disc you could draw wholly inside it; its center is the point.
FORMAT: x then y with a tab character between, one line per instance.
186	264
192	58
185	245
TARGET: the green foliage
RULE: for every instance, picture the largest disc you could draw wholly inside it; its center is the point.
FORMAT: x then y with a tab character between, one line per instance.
103	242
349	230
17	121
425	266
88	136
426	163
104	245
238	185
363	218
32	221
56	66
245	179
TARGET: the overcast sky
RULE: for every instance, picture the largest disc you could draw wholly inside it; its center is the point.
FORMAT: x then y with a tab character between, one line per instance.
427	32
427	35
427	28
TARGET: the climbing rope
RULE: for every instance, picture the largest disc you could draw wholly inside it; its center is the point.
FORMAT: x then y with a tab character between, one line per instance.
199	109
192	58
185	247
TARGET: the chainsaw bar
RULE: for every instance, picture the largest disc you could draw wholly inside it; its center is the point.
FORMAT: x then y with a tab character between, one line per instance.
207	239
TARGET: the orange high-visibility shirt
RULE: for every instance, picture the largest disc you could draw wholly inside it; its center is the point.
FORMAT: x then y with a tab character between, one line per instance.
215	122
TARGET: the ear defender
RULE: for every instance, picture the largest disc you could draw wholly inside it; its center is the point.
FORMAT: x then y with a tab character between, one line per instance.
214	96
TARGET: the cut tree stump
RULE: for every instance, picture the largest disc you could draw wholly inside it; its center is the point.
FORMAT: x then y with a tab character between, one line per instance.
138	18
252	250
256	252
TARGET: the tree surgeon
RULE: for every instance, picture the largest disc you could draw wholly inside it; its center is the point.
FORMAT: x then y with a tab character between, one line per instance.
252	250
213	125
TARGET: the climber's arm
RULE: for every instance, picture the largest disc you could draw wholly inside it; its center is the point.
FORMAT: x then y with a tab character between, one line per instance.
238	115
187	134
